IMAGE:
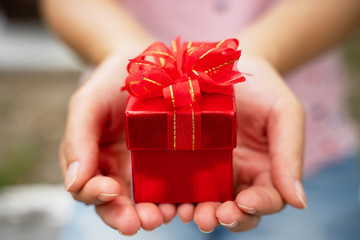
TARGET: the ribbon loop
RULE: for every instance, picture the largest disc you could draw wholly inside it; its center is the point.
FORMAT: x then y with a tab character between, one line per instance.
182	94
210	66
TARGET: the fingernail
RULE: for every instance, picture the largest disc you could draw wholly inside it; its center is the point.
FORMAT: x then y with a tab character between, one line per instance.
207	231
126	235
186	222
72	174
230	225
105	197
300	193
249	210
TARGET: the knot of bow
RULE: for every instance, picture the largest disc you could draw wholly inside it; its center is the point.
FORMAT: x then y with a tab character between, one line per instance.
182	72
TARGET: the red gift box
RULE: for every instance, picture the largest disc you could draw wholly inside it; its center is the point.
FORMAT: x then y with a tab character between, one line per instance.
181	126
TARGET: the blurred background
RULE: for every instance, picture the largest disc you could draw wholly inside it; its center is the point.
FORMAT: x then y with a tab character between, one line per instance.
38	74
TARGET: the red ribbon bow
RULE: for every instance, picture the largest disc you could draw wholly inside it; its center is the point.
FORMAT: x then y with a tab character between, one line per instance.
181	73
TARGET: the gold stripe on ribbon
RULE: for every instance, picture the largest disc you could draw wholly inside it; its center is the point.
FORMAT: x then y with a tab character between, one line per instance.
190	51
219	44
192	114
196	73
161	53
193	127
173	43
209	51
145	64
173	102
202	56
146	89
189	44
132	90
174	130
152	81
191	91
149	64
221	65
162	61
224	83
143	78
172	96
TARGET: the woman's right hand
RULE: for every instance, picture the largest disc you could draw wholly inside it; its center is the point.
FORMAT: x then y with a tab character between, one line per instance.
93	155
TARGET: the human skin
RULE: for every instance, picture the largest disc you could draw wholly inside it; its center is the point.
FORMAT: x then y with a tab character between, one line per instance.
93	156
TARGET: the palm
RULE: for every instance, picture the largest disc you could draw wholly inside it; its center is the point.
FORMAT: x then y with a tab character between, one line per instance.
264	142
114	162
113	154
255	100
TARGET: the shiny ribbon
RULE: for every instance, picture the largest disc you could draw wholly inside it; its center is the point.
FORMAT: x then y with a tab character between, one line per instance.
182	72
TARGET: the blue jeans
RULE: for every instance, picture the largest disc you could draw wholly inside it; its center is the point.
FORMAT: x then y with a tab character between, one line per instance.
333	214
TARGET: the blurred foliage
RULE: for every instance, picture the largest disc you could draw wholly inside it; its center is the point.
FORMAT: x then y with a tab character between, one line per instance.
352	52
32	119
352	57
17	163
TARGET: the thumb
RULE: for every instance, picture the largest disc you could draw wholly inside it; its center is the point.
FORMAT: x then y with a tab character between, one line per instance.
89	110
286	136
79	149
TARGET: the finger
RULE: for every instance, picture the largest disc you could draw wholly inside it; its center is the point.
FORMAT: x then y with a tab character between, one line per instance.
98	190
286	134
79	149
205	216
232	218
168	211
185	212
262	198
89	111
121	215
150	215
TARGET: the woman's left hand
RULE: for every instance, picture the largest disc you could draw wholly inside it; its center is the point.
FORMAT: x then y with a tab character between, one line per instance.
268	156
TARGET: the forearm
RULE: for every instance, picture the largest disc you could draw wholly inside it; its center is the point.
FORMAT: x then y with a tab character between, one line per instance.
95	28
293	31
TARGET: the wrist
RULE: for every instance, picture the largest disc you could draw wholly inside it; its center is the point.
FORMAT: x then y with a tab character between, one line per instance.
251	63
253	49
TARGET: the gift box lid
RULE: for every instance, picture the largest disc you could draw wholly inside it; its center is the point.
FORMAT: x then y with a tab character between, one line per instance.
147	122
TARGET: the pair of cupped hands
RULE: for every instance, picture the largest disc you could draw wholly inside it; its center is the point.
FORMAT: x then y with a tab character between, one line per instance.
267	160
